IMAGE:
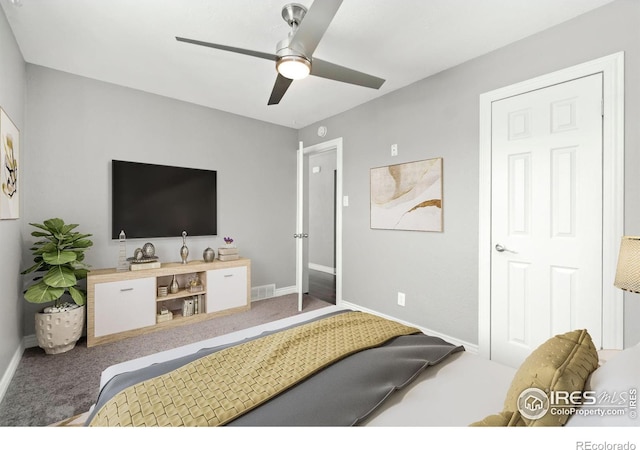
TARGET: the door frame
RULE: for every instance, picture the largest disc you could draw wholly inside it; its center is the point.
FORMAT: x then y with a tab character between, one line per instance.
333	144
612	68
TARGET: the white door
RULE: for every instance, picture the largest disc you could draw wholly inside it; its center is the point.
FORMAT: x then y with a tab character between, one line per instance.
546	220
301	234
302	276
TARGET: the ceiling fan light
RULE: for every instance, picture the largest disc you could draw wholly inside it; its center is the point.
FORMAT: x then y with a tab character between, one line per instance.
293	67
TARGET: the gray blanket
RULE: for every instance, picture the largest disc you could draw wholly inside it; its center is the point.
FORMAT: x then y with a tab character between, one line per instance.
343	394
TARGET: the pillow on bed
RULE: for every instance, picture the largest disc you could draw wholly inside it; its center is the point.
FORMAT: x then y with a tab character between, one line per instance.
619	378
562	363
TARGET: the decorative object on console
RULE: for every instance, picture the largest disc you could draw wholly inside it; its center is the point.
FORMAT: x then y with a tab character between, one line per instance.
123	265
9	152
407	196
209	254
195	285
59	263
164	316
145	265
184	250
628	271
229	252
148	250
173	288
144	258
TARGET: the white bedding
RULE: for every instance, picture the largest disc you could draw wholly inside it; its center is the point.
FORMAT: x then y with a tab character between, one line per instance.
463	389
443	395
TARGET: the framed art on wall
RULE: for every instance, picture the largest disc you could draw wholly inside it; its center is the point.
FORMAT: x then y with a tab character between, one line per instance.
9	152
407	196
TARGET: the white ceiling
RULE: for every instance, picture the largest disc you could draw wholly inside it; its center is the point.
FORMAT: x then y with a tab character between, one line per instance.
132	43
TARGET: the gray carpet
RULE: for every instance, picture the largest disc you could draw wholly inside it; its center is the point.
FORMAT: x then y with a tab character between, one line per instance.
49	388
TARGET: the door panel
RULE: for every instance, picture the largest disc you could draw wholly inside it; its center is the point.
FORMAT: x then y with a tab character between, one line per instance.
546	220
300	228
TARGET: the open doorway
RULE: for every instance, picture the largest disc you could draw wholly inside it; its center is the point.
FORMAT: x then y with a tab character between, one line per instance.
333	195
322	176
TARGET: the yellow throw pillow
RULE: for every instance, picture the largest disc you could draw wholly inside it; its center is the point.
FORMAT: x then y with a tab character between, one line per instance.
561	364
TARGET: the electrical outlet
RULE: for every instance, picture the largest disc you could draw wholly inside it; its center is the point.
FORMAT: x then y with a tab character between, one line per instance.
401	298
394	150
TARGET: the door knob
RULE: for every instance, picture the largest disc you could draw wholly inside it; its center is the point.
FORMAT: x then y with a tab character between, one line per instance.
501	248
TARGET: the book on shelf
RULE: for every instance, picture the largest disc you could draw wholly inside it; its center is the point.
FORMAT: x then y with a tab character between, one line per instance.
228	251
188	307
193	305
145	265
228	257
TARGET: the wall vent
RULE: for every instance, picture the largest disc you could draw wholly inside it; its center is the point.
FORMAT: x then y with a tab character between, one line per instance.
262	292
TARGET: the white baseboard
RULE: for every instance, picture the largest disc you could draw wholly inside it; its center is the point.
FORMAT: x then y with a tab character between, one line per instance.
7	376
471	348
30	341
321	268
286	291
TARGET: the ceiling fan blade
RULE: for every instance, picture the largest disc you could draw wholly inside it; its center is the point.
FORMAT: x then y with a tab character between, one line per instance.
331	71
315	23
279	88
226	48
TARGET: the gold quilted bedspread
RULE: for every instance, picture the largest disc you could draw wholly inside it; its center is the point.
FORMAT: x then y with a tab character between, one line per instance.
219	387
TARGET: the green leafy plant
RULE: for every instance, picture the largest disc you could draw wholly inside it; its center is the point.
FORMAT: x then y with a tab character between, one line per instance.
58	257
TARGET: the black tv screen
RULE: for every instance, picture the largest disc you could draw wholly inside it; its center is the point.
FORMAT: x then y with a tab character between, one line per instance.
150	200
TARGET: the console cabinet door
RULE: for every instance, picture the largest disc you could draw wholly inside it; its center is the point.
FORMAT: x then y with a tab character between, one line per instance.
226	289
124	305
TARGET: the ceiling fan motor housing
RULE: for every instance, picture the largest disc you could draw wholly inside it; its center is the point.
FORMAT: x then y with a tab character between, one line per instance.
293	13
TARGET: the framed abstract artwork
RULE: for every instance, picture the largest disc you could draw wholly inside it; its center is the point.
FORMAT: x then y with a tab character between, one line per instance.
9	154
407	196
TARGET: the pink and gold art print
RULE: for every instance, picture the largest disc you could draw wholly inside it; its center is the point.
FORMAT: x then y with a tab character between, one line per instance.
407	196
9	151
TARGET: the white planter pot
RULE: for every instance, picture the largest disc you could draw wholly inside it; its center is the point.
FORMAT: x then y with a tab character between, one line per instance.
58	332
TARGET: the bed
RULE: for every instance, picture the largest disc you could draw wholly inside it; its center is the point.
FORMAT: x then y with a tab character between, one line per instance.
460	388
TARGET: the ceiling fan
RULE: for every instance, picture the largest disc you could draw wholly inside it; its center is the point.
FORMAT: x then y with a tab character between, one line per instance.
294	54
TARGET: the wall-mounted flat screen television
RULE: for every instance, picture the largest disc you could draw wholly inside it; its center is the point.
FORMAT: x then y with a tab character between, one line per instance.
150	200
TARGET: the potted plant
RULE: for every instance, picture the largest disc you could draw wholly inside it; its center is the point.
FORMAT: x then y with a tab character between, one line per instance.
58	263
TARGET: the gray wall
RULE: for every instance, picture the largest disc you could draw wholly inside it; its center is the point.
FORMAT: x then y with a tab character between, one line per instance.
78	125
322	209
438	117
12	97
